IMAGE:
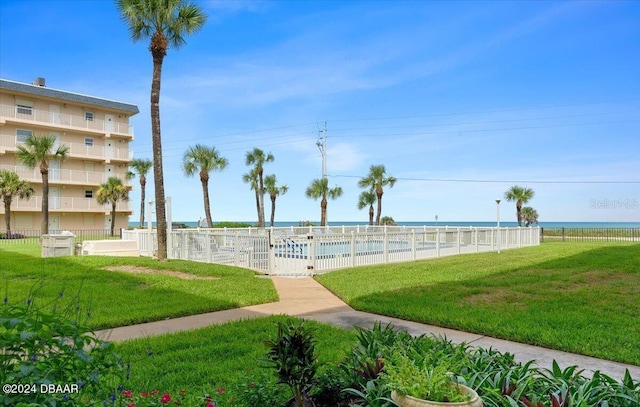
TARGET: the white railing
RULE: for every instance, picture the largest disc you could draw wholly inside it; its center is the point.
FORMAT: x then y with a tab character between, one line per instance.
62	204
63	175
285	251
64	120
100	152
78	149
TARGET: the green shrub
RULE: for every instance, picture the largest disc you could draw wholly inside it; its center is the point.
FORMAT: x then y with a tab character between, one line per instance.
51	359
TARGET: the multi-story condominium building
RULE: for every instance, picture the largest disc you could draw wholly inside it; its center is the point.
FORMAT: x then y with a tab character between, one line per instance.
97	134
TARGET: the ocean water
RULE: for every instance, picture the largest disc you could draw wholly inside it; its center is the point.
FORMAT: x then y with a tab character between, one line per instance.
548	225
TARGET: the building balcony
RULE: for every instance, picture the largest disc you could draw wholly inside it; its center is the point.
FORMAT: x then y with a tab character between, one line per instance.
64	204
54	120
106	154
63	176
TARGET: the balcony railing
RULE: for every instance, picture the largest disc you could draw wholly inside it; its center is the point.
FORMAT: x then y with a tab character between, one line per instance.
63	176
64	120
64	204
78	149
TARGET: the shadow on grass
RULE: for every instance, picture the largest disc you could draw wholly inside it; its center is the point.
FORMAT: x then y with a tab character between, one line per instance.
584	303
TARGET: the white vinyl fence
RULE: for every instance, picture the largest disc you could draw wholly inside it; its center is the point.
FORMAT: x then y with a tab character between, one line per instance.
313	250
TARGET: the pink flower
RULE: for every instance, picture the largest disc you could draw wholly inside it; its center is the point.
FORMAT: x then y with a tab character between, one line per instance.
132	404
127	393
210	404
220	390
144	394
165	398
154	392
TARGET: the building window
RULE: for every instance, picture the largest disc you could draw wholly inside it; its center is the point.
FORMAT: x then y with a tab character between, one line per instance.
24	109
88	141
88	193
23	135
88	116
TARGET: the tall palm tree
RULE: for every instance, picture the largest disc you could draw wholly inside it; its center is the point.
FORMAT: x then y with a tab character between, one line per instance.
251	178
202	160
165	23
12	186
257	158
39	150
376	181
270	185
520	196
319	188
367	198
112	191
141	167
529	215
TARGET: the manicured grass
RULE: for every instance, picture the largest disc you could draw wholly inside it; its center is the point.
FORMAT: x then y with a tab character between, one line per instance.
218	357
116	298
578	297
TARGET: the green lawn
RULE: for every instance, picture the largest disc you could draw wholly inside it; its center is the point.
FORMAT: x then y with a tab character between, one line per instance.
219	356
116	298
578	297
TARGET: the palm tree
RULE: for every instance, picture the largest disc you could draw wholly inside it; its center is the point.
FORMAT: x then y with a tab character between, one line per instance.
367	198
165	23
520	196
251	178
141	167
112	192
529	215
258	158
319	188
270	185
39	150
202	160
376	181
12	186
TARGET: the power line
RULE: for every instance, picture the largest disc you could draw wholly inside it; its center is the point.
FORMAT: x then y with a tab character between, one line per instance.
495	181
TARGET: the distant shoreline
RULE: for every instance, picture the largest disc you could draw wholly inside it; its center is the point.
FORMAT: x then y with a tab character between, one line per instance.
603	225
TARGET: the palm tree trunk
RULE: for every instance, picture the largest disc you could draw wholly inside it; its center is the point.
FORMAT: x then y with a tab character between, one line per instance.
207	206
273	209
371	215
261	201
44	171
258	205
379	193
158	176
143	183
7	214
113	217
519	213
323	211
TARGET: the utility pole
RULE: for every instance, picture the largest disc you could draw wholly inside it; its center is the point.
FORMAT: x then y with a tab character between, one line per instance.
322	146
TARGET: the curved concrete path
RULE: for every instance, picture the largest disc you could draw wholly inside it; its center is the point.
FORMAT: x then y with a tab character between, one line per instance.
305	297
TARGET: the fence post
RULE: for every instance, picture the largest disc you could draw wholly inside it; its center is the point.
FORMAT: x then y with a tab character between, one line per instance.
475	232
385	246
520	237
353	248
413	244
311	254
236	249
438	242
458	240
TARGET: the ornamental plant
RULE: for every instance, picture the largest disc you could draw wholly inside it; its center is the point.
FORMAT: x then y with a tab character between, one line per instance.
44	346
292	355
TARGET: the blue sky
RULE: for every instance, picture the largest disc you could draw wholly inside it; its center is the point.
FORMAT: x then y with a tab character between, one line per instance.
460	100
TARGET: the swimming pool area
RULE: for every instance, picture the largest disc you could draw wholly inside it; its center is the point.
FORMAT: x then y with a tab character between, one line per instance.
307	251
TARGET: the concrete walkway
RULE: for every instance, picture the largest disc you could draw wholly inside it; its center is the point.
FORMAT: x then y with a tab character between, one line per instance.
305	297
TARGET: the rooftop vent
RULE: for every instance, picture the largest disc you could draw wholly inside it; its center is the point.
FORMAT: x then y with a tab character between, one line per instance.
39	82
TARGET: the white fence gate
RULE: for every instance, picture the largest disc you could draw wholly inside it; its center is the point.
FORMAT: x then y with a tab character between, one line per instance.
308	250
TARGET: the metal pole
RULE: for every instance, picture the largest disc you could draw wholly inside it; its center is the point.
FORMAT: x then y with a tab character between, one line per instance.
498	227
